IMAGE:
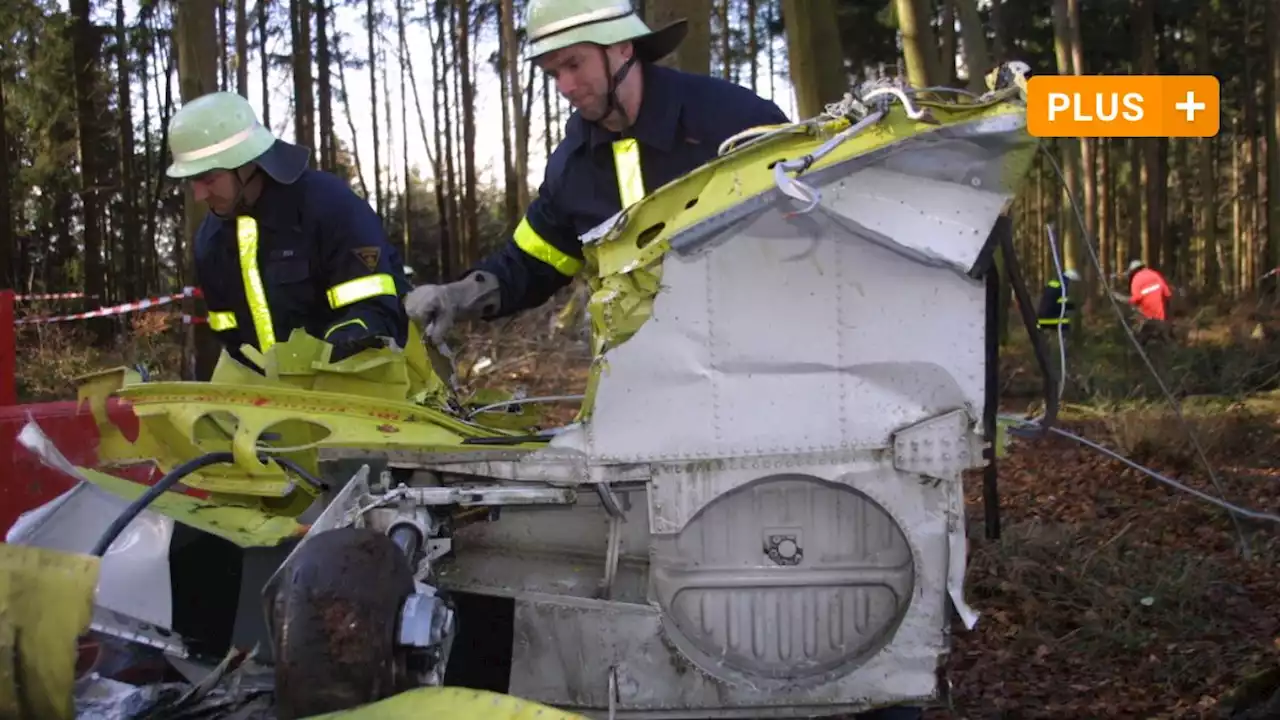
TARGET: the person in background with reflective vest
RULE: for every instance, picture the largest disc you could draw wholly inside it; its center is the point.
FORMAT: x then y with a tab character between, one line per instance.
636	126
1150	293
283	246
1056	306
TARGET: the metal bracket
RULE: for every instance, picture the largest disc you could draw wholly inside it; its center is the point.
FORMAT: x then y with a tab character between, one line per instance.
938	448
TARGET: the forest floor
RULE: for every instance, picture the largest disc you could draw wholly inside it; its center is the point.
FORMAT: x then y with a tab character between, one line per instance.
1108	594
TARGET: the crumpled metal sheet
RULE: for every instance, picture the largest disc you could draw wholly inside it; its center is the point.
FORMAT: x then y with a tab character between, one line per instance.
134	580
46	600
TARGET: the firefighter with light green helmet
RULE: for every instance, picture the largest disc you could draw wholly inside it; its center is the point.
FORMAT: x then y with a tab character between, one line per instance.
284	246
636	126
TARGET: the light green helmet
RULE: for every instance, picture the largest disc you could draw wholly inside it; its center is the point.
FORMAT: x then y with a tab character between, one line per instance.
556	24
218	131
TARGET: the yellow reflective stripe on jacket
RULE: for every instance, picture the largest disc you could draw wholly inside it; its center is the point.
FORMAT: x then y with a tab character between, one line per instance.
222	320
344	323
254	294
362	288
528	240
626	163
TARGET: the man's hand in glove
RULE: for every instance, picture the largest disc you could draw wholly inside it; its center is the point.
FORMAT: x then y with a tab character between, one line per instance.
437	307
349	340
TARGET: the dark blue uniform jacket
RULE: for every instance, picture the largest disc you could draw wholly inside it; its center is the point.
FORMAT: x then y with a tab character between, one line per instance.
683	119
324	261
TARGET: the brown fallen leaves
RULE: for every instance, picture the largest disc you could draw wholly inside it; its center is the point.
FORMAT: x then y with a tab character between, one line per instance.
1110	594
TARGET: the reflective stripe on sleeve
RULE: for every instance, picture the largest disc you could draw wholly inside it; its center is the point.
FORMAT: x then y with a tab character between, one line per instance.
361	288
528	240
222	320
345	323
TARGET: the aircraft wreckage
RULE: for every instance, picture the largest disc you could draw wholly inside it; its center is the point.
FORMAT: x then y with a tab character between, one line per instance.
757	511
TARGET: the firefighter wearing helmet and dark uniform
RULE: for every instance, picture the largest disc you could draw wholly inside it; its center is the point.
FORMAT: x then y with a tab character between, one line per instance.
283	246
1056	305
636	126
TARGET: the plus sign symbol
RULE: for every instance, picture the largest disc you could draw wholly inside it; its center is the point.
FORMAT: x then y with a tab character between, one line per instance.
1190	106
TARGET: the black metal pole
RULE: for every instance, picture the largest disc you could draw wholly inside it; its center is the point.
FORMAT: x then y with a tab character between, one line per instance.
991	402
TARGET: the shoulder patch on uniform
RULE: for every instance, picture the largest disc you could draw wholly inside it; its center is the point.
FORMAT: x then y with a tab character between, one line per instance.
369	256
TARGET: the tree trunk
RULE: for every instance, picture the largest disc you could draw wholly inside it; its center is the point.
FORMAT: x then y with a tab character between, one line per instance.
1272	103
406	203
324	74
303	98
159	182
726	40
197	45
448	95
1069	232
8	249
390	136
134	280
753	46
1153	175
84	53
1088	172
224	71
977	59
817	60
1207	218
507	88
265	67
1106	212
999	43
242	49
519	115
694	54
351	125
444	246
371	20
947	38
470	212
919	48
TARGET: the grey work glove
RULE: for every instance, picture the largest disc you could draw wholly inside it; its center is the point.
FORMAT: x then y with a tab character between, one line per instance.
437	307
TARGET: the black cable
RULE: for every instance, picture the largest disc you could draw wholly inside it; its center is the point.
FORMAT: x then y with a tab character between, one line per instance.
172	477
1027	311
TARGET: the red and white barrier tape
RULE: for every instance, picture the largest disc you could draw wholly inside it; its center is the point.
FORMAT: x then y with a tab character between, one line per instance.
54	296
121	309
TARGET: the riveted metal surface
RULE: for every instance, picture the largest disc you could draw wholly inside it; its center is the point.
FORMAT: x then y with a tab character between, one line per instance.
790	339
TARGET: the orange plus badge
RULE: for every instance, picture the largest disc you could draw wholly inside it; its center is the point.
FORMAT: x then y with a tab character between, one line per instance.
1123	106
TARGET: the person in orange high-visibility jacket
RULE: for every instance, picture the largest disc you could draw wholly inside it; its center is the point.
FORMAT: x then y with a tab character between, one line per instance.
1148	291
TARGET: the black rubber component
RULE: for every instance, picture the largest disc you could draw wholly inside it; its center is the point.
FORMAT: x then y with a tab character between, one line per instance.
334	612
172	478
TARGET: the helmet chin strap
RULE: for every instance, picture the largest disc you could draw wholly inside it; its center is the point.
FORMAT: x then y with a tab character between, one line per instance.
239	205
615	80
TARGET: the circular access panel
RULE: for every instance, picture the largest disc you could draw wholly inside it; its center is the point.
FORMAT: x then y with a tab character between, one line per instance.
788	578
